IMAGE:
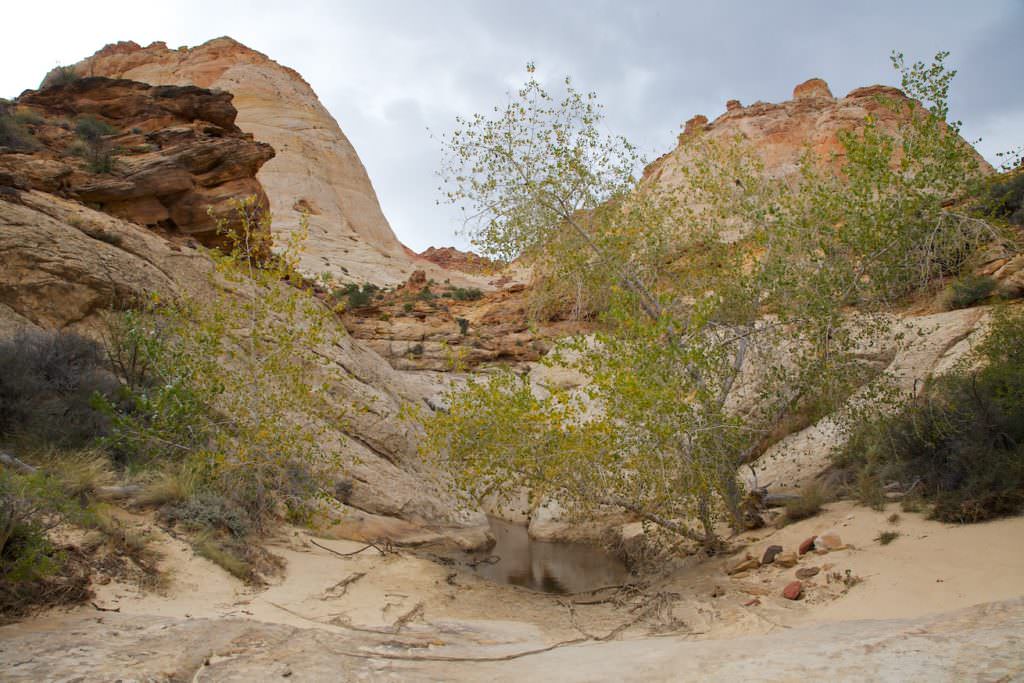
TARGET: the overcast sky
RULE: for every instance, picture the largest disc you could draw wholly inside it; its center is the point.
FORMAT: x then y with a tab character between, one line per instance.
388	70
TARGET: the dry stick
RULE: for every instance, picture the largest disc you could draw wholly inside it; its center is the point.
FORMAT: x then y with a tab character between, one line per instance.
354	552
449	658
344	584
403	620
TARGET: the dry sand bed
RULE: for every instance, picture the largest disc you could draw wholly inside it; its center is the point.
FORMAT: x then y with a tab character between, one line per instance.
403	616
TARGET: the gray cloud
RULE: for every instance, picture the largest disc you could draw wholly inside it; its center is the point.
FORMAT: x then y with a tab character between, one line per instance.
389	70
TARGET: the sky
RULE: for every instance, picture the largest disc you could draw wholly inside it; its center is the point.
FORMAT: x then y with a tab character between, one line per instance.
392	71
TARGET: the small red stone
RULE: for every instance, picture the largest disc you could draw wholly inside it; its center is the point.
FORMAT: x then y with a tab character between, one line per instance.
807	546
793	590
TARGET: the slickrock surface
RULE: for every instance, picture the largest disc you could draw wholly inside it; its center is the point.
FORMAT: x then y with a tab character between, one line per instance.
978	643
316	170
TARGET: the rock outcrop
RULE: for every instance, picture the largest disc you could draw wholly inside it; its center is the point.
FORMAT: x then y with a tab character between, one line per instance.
168	157
781	133
68	252
316	171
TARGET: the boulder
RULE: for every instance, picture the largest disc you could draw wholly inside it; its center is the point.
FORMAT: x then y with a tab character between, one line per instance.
793	590
787	559
770	554
807	572
746	564
829	540
807	546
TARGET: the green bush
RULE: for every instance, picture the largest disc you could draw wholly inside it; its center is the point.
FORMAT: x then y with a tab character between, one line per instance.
62	75
463	326
13	133
466	294
1003	197
959	445
209	511
967	291
356	296
47	384
92	129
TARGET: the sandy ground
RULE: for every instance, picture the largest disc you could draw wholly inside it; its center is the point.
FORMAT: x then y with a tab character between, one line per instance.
446	610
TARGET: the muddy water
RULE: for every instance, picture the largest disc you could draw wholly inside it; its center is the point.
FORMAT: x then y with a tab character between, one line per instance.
545	566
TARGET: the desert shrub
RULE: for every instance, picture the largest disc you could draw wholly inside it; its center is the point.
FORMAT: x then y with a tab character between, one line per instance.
13	133
62	75
408	306
28	117
466	294
227	391
887	537
807	505
356	296
47	384
967	291
97	153
1003	197
206	511
92	129
426	295
33	571
959	445
463	326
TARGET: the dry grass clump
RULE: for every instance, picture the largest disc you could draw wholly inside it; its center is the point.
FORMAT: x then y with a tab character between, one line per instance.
807	505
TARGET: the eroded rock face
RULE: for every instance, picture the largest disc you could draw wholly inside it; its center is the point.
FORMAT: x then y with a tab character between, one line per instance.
316	170
174	158
780	133
62	264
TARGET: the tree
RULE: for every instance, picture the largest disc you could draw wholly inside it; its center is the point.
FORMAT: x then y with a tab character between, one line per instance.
704	343
231	384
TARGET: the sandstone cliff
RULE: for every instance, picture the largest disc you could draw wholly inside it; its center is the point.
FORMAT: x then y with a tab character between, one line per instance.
781	133
75	241
164	157
316	170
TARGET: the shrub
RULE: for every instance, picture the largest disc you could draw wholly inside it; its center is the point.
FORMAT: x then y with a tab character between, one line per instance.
33	571
463	326
887	537
13	133
1003	197
47	384
466	294
28	117
62	75
807	505
209	511
959	445
356	296
408	306
426	295
967	291
92	129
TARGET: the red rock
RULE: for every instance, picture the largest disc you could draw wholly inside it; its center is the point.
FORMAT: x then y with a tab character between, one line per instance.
807	572
807	546
793	590
770	553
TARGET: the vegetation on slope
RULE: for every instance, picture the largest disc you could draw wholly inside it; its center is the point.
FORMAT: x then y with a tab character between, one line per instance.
672	409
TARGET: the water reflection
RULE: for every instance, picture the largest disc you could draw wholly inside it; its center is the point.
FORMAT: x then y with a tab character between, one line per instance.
546	566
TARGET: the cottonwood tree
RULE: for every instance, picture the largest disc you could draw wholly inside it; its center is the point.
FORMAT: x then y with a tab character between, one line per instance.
703	343
231	385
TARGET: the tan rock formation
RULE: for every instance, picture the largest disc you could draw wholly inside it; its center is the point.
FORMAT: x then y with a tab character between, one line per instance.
176	158
780	133
316	170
